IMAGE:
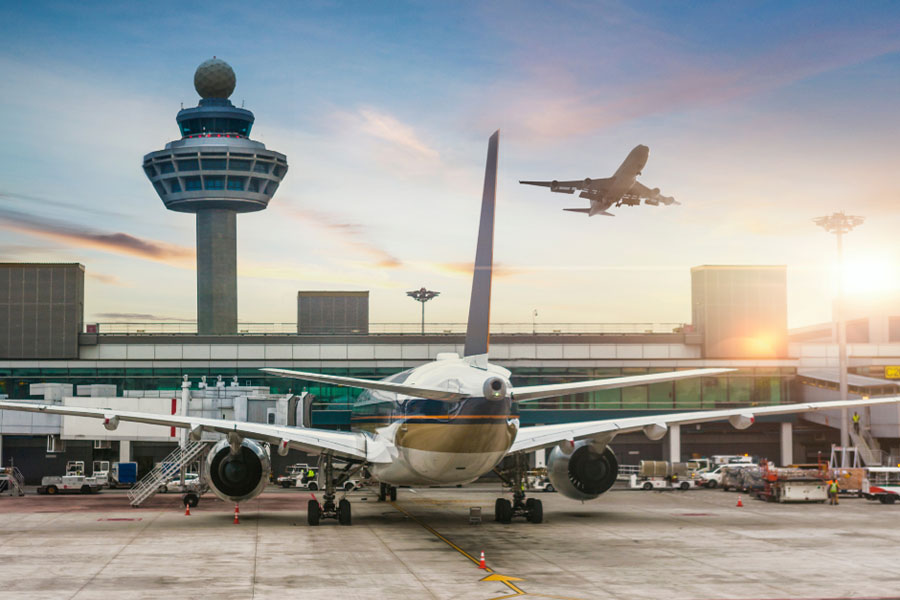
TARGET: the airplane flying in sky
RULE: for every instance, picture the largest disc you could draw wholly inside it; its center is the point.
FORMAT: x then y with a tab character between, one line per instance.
448	421
622	188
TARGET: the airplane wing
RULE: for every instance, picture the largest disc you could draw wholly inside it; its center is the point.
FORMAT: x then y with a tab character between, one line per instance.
536	392
652	197
543	436
341	443
369	384
569	187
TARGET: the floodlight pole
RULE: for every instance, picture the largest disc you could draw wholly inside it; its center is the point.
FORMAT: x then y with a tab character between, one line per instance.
839	224
423	295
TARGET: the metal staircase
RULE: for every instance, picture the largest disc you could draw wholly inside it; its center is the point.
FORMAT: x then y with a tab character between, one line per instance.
147	487
12	482
867	446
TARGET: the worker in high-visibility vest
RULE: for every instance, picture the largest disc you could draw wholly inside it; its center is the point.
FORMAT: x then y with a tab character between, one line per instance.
833	489
856	422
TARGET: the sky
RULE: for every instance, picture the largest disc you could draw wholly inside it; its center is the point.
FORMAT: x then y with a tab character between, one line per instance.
760	116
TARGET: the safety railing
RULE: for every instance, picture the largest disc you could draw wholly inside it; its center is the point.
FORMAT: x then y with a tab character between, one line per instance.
151	483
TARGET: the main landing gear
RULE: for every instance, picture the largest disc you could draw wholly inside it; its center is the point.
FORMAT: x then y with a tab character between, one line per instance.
328	509
531	508
386	490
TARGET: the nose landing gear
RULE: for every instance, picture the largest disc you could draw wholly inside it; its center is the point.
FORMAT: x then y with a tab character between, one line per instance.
530	508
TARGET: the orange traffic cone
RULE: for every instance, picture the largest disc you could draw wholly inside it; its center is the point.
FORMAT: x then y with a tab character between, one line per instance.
187	510
481	564
740	504
237	519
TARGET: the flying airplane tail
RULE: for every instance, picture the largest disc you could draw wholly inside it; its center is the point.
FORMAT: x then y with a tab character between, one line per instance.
478	330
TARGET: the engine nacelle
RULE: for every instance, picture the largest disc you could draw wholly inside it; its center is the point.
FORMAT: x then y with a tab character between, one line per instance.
554	185
236	477
581	471
741	421
654	192
587	182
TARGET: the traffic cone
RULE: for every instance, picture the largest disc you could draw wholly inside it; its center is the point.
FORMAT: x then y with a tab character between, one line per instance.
481	564
187	510
237	520
740	504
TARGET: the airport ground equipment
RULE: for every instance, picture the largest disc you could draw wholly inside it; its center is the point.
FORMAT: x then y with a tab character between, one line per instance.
537	480
793	484
150	484
714	478
100	471
12	483
70	483
662	475
123	474
882	484
297	475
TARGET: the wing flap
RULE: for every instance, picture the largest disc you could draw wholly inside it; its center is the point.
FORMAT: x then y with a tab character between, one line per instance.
543	436
342	443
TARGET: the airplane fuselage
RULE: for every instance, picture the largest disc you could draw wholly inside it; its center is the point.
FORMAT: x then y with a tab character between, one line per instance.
437	442
623	179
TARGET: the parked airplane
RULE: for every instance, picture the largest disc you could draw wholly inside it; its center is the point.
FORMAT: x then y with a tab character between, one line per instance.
622	188
448	421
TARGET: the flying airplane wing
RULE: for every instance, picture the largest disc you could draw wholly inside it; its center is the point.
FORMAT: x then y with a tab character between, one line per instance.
543	436
341	443
536	392
370	384
569	187
652	197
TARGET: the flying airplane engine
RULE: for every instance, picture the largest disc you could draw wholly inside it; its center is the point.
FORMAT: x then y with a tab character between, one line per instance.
587	182
236	477
554	186
580	471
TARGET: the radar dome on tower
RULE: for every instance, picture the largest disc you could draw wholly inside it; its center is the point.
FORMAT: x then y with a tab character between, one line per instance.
214	78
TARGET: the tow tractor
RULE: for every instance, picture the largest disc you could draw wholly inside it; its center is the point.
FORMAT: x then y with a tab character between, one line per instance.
662	475
73	481
297	475
792	484
882	484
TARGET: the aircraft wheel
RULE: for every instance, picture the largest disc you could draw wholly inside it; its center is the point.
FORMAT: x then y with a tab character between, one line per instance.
313	512
497	508
344	512
536	512
393	493
504	511
382	492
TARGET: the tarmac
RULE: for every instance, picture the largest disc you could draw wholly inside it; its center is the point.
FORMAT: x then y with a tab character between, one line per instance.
628	544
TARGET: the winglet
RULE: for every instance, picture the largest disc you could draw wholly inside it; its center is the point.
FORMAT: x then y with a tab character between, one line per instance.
477	330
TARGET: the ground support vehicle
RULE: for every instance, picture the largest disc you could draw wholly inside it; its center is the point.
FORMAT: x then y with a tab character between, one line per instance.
12	482
100	471
659	474
538	481
123	475
792	484
55	484
716	478
882	484
294	476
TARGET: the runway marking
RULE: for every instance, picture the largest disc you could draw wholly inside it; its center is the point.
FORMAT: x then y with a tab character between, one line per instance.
505	580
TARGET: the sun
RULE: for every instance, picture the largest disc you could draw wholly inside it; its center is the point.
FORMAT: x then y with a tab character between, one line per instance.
872	275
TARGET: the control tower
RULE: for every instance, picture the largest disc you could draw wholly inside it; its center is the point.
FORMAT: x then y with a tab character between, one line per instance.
216	171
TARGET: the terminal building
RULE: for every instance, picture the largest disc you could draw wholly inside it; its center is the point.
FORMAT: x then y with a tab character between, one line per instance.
143	366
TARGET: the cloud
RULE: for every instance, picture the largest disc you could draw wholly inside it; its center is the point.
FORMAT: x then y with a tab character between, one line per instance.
84	237
24	198
348	234
105	279
465	269
389	129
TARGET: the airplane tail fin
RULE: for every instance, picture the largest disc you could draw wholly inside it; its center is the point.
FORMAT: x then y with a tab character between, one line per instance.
478	330
586	211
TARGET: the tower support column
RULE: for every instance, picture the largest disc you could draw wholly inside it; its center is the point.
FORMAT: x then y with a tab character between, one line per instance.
216	271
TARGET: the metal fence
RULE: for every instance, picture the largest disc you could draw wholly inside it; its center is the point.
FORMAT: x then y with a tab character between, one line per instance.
190	328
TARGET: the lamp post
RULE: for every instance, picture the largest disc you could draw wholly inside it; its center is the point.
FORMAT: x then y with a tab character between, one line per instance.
422	295
840	224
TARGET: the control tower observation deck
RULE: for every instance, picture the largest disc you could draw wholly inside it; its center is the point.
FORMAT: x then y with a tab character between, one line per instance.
216	171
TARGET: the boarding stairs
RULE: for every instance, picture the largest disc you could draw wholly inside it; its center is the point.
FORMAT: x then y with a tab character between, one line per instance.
151	483
12	483
869	451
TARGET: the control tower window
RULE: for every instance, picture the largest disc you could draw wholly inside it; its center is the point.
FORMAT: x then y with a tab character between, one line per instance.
237	183
279	171
262	167
192	184
150	171
174	186
239	165
215	183
165	167
189	165
214	164
254	185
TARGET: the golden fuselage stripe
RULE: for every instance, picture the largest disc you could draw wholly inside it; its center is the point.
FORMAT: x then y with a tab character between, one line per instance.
408	417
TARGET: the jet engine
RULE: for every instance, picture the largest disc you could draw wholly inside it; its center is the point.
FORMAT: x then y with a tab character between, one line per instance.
587	182
236	477
581	471
554	185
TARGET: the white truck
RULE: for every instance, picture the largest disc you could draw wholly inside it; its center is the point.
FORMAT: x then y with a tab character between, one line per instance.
882	484
713	479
